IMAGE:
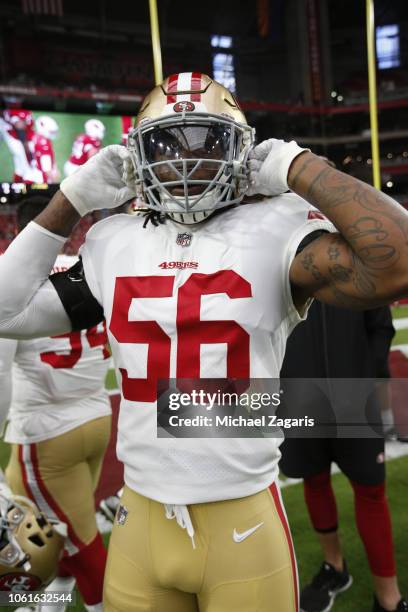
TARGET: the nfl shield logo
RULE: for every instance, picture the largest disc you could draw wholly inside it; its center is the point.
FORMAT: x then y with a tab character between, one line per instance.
121	515
184	240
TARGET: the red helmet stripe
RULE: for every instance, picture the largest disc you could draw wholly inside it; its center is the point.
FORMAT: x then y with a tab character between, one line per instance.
196	86
172	87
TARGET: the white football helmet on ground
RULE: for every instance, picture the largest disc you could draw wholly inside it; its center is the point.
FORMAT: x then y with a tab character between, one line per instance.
189	148
30	546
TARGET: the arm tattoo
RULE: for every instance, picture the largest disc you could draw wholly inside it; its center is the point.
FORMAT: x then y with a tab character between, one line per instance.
333	252
370	262
352	271
338	190
347	301
376	254
309	265
356	272
300	172
341	273
375	203
364	279
331	183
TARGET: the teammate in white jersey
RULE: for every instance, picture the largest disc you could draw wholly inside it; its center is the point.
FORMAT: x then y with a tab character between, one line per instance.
59	428
202	287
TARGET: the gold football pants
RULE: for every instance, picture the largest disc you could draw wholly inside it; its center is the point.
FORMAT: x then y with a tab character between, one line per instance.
243	560
61	474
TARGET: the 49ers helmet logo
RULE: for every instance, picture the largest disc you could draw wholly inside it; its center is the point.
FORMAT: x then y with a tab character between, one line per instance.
19	582
185	105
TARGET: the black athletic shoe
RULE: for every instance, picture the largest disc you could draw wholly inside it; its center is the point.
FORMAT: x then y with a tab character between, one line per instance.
402	606
319	595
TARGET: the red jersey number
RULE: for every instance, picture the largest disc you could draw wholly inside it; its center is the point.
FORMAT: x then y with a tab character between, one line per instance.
191	331
94	336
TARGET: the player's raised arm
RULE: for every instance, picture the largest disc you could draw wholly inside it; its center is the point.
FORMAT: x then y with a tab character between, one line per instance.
29	304
366	263
7	351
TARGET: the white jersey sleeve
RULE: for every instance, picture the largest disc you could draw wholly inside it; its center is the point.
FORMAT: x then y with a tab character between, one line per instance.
29	304
7	352
59	381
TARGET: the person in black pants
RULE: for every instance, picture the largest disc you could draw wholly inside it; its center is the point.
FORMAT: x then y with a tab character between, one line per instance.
336	343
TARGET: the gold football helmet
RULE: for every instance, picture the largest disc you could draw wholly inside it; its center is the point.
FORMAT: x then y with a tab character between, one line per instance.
189	148
30	546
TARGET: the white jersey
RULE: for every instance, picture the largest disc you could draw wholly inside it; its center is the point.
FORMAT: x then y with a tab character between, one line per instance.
211	300
58	382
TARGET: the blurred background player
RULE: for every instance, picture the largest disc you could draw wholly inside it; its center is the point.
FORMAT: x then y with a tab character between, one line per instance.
127	127
17	130
43	150
59	428
336	343
85	145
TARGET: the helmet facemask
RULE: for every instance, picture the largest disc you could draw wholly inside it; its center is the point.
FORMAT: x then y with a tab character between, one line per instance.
190	164
30	545
11	553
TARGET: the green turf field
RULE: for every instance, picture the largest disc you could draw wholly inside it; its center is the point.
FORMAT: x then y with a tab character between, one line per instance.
110	381
70	125
398	312
401	335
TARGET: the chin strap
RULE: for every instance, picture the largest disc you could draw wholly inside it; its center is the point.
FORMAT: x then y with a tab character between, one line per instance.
156	217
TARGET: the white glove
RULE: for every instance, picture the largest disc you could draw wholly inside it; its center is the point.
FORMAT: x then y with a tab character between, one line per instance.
129	173
269	164
98	183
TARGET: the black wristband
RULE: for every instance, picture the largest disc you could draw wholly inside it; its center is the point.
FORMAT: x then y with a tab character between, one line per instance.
80	305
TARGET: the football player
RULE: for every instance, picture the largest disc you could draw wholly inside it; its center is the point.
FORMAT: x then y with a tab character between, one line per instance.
17	130
59	428
246	276
85	145
43	150
127	127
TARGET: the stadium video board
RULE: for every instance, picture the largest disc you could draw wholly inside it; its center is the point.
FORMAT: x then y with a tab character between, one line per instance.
38	147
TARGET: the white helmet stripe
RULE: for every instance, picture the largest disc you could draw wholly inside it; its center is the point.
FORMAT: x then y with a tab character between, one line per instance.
184	84
185	81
